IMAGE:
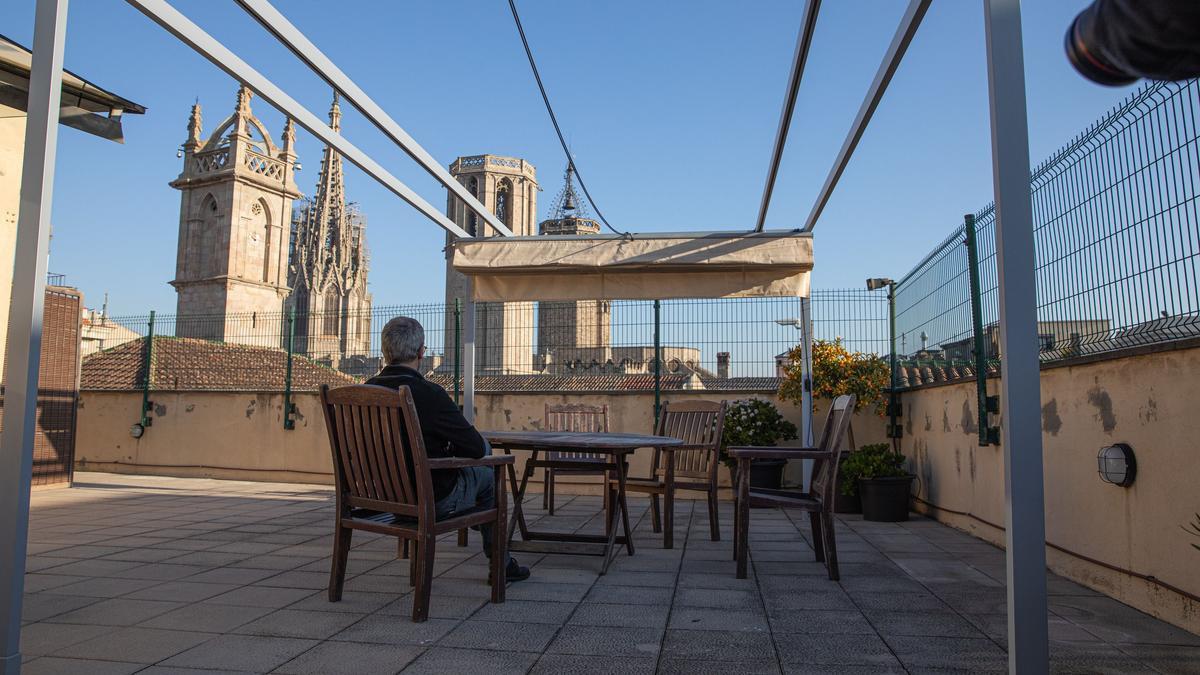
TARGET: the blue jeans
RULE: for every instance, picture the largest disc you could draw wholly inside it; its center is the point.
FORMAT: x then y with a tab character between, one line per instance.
473	491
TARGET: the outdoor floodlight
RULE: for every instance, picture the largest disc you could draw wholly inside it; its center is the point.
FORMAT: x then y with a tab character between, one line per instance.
137	430
296	165
878	283
1117	464
795	323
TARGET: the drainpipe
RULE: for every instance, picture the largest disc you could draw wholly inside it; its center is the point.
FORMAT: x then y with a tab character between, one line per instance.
894	431
657	360
983	405
457	350
148	366
289	408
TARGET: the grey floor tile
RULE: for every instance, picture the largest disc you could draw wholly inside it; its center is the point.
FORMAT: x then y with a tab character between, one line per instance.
937	624
40	639
440	606
396	630
678	666
241	652
629	595
1166	658
260	596
52	665
704	618
828	600
118	612
1095	658
627	616
206	618
345	658
526	611
821	621
136	644
717	598
42	606
826	669
1110	620
500	636
104	587
708	645
352	602
181	591
299	624
443	660
553	592
834	650
951	653
606	641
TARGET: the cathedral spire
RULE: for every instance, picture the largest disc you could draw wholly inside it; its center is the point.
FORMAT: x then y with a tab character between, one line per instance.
335	114
241	111
288	138
195	129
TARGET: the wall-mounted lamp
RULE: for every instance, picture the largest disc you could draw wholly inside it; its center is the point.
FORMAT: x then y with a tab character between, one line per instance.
878	283
1117	464
296	165
179	152
137	430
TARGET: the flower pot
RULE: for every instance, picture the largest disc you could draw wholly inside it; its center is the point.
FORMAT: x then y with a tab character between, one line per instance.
885	500
767	473
843	503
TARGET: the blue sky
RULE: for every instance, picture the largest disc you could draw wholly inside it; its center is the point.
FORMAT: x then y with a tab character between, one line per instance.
670	108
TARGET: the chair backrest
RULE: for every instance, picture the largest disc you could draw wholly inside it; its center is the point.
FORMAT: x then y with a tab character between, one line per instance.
700	425
577	417
833	434
379	459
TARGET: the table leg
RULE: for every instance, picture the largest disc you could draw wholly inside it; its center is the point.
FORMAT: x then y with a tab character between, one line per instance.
623	469
518	515
669	502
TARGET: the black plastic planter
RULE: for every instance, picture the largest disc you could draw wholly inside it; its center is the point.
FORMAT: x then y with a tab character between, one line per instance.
767	473
843	503
885	500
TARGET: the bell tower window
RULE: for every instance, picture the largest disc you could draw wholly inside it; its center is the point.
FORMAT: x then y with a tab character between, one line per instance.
504	202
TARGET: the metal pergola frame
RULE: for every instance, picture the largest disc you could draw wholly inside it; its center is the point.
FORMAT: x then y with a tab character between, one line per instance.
1027	614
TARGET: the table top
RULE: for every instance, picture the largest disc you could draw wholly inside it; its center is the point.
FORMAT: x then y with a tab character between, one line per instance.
577	440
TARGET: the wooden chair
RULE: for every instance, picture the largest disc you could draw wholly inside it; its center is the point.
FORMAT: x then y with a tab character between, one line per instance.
818	501
692	466
572	417
383	485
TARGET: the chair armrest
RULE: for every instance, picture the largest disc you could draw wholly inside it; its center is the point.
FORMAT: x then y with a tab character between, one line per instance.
751	452
467	462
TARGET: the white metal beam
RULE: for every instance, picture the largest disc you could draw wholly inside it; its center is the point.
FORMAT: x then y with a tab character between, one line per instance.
192	35
891	61
808	25
287	33
1020	381
24	347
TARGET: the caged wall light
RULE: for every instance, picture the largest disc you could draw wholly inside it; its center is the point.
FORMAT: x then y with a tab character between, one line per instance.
1117	464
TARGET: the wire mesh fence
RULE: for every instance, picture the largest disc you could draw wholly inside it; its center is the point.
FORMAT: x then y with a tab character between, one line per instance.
1117	237
593	345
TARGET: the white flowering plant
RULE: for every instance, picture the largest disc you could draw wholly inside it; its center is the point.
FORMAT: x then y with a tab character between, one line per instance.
754	422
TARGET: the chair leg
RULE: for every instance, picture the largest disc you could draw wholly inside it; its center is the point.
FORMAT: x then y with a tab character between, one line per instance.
714	524
655	515
830	545
550	489
424	558
669	516
818	537
337	570
500	540
462	537
402	548
545	489
412	563
742	543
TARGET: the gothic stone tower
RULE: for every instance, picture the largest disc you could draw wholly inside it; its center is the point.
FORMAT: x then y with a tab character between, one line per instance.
231	267
504	331
328	270
572	335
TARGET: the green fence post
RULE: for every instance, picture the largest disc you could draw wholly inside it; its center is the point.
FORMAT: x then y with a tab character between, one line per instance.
981	398
147	404
457	351
894	430
657	360
289	408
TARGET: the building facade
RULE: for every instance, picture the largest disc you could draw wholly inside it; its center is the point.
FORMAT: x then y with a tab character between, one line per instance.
234	224
328	270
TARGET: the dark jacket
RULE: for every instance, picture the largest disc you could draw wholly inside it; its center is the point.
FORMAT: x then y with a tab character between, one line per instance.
446	432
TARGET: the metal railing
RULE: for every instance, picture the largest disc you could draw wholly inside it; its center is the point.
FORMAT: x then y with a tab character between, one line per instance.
1117	231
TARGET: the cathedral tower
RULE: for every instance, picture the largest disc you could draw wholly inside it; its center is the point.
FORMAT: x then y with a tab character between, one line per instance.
508	187
237	191
328	270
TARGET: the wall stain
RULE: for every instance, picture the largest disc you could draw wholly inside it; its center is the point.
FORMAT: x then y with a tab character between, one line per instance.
957	461
1103	403
1149	412
969	424
507	416
160	410
190	407
928	422
971	461
1051	422
908	420
945	420
250	408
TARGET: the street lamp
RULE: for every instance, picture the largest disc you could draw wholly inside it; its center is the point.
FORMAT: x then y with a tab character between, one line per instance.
874	285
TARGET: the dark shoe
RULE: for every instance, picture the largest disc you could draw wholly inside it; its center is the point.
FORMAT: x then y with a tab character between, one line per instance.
513	572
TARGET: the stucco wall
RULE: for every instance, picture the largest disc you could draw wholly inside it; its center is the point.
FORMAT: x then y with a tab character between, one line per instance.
241	435
1147	401
12	143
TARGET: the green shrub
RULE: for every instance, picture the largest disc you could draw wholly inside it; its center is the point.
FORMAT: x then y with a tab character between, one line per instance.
753	422
876	460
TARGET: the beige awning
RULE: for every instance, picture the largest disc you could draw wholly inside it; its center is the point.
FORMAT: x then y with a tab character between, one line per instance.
640	267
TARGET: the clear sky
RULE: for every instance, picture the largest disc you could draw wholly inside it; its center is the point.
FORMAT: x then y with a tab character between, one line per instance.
670	108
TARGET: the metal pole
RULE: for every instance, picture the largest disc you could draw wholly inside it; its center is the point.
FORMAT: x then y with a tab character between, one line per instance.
148	369
457	350
657	359
23	357
808	25
219	55
893	398
806	351
977	325
1028	640
891	61
289	420
468	349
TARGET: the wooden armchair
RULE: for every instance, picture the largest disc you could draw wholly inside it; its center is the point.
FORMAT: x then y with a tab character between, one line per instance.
818	501
572	417
692	466
383	485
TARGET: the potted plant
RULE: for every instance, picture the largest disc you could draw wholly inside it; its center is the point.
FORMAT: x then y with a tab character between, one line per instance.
879	476
756	422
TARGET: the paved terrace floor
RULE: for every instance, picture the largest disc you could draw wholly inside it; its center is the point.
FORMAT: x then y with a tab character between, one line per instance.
161	575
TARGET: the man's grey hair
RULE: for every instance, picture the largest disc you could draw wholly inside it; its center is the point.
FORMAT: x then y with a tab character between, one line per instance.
402	340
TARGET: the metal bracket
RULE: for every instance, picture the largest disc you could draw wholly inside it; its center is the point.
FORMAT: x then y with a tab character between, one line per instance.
993	405
147	420
993	435
895	431
289	419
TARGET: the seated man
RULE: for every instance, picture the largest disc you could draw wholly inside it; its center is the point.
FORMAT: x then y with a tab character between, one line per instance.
446	432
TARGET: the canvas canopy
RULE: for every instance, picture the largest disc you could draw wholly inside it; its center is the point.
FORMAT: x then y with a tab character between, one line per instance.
637	267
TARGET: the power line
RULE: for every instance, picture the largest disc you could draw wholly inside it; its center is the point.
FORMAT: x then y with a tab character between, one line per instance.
554	119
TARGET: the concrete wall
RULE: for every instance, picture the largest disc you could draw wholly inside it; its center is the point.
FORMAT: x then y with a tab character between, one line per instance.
12	144
1147	400
241	435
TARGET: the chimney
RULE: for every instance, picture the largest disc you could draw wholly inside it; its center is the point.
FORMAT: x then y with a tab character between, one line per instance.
723	365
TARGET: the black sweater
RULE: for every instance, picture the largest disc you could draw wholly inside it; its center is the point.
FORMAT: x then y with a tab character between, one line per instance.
446	432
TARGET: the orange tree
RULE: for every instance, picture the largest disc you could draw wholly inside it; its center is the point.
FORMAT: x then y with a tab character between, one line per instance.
838	371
